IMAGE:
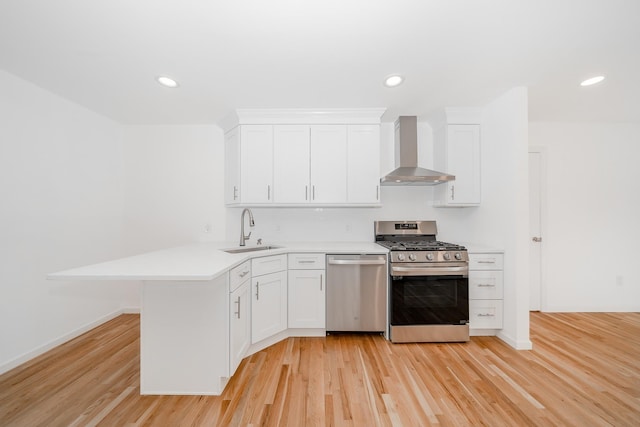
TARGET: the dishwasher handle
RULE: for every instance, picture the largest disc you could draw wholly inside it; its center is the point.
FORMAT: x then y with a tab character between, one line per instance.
357	261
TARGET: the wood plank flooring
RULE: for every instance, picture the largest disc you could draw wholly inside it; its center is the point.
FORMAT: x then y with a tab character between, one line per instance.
584	370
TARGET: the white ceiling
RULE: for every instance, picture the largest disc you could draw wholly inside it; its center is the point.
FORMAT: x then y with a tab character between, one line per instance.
326	53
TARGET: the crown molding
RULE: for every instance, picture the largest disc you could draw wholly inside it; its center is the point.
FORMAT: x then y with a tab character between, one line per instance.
306	116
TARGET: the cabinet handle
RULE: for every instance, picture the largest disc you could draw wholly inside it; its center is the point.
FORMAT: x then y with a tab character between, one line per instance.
235	192
313	192
377	192
487	285
306	192
453	192
244	273
268	192
257	291
485	315
486	262
306	261
237	313
321	282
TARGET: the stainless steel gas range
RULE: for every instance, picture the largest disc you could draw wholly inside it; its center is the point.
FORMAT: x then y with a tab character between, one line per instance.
429	296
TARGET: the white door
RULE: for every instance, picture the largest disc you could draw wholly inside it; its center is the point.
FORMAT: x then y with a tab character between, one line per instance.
232	167
463	158
363	164
535	230
256	171
328	164
268	305
240	327
291	164
306	290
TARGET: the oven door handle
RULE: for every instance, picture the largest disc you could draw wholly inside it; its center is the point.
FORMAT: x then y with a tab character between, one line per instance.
357	261
430	271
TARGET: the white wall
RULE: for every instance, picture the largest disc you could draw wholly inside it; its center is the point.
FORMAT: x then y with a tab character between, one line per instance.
590	243
174	186
62	193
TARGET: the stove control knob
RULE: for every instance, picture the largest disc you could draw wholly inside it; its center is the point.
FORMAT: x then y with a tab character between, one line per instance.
400	257
458	256
447	256
430	256
412	257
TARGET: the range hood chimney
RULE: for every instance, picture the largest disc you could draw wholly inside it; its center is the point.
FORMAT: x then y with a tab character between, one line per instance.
407	171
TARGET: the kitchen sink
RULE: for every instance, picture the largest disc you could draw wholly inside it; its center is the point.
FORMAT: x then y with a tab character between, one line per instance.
250	249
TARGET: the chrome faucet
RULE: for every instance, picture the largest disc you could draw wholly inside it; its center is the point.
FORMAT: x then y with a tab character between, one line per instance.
244	238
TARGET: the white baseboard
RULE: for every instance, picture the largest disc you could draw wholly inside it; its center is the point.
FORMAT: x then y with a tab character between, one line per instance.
517	344
23	358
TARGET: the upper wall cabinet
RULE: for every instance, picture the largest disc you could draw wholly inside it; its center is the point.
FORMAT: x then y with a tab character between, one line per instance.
326	161
457	151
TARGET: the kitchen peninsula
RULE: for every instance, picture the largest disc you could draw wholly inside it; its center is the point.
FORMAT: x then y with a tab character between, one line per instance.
191	308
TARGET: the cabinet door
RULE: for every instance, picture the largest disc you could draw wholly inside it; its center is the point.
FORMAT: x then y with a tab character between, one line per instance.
239	325
232	167
256	158
291	164
363	164
463	161
306	298
268	305
329	164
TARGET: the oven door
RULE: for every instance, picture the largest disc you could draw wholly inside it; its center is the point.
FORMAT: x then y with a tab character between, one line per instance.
430	300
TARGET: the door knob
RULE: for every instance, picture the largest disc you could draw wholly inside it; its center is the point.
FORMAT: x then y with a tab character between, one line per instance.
537	239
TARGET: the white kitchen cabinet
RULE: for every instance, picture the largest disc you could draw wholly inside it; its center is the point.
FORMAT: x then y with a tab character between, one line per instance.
256	163
306	291
249	165
328	164
232	167
363	164
291	153
239	324
301	158
457	152
268	296
486	285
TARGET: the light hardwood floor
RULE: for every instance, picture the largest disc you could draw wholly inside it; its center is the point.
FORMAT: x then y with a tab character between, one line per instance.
584	370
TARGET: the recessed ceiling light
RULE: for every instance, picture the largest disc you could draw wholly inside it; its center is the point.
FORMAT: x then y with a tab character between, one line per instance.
592	81
167	81
393	80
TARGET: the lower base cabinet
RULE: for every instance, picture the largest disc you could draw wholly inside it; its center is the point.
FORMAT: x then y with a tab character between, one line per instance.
486	290
239	325
306	298
268	305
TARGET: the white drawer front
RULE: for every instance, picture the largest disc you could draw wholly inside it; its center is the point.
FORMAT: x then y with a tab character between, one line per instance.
268	264
239	275
306	261
485	314
493	261
485	284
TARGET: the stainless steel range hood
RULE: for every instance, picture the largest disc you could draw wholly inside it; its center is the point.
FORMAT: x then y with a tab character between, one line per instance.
407	171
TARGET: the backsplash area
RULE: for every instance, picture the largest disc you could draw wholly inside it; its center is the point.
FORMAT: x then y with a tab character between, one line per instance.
348	224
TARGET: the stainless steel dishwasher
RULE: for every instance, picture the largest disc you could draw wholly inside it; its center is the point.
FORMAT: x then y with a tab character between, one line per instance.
357	293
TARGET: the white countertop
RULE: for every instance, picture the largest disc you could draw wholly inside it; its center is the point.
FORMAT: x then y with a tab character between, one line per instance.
199	261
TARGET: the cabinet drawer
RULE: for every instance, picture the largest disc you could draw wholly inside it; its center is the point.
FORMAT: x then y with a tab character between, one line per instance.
485	284
491	261
306	261
268	264
239	275
485	314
